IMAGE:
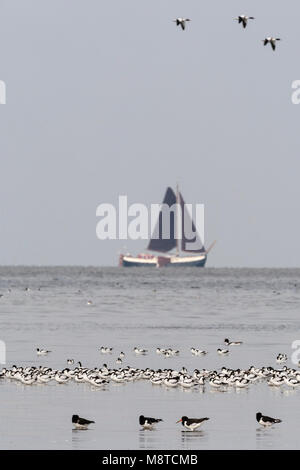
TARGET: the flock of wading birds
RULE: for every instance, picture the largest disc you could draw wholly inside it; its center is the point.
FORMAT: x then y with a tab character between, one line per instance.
171	378
223	380
243	20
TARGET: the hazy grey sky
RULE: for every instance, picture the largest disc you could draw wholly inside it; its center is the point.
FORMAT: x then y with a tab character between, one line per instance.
110	97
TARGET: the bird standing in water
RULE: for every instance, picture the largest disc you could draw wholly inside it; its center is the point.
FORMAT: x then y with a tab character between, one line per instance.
266	420
148	423
81	423
191	423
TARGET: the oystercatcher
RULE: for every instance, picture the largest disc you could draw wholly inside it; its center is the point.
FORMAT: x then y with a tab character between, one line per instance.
266	420
148	423
81	423
191	423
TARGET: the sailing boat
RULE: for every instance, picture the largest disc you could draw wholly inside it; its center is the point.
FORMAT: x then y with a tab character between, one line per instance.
164	245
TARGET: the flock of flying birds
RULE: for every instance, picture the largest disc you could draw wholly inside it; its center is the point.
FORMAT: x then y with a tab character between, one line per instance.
243	20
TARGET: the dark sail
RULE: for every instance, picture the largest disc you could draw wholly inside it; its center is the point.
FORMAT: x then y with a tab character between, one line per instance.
157	242
189	233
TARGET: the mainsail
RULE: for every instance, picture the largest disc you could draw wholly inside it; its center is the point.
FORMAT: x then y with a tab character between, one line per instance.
158	242
188	239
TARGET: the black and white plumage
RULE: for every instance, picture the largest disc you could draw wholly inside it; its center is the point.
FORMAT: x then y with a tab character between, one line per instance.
232	343
243	19
198	352
181	22
191	423
105	350
42	352
272	41
222	351
148	423
281	358
266	420
81	423
140	350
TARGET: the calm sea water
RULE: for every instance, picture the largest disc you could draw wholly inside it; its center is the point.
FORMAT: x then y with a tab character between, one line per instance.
147	308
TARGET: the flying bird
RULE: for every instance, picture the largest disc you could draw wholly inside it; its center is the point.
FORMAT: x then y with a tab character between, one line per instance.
244	19
191	423
181	22
148	423
272	41
266	420
81	423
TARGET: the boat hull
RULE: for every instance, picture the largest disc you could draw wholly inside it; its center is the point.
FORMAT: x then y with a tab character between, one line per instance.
160	261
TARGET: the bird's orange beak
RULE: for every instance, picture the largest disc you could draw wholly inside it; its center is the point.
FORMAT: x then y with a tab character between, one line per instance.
179	421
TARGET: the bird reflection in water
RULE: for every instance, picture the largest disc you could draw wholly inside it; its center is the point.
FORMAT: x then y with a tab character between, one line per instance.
265	437
148	439
189	438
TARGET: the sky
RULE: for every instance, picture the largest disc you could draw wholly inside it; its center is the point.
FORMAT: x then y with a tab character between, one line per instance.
109	97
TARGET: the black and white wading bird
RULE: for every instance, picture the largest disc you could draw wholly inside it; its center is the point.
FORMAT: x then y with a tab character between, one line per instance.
281	358
81	423
272	41
244	19
140	350
42	352
232	343
181	22
191	423
266	420
222	351
148	423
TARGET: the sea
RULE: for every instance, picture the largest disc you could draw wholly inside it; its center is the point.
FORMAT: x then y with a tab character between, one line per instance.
73	311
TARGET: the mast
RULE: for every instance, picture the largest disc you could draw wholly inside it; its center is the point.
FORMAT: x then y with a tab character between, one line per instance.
177	218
